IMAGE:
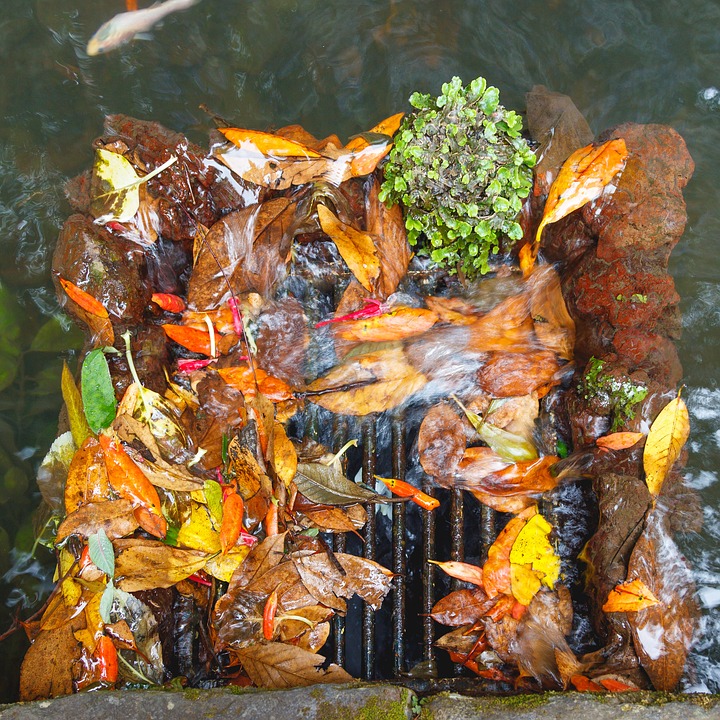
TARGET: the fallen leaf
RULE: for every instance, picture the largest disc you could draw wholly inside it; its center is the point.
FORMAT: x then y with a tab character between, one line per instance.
462	607
199	531
284	459
512	374
86	301
98	393
388	126
277	665
356	248
169	302
334	519
629	597
87	479
266	555
259	144
532	551
619	440
73	402
668	433
462	571
197	341
148	564
584	684
307	628
115	517
553	325
364	384
326	485
582	178
398	324
441	442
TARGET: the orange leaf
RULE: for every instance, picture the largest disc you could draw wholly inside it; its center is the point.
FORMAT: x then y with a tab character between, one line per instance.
232	521
190	338
241	377
168	302
366	160
405	489
462	571
616	686
584	684
106	655
619	440
263	143
581	179
86	301
630	597
397	324
389	127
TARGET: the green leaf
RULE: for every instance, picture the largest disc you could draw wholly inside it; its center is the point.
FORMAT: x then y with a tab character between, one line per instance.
102	552
55	337
213	497
106	601
98	394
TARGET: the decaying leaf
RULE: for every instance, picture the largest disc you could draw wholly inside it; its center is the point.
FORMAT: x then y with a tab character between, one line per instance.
462	607
278	665
668	433
398	324
326	485
441	442
115	517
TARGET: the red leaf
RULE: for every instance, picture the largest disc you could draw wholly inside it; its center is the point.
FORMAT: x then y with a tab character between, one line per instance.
168	302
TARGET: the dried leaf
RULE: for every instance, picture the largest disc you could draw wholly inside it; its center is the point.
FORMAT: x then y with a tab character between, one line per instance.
582	178
277	665
629	597
326	485
148	564
114	517
668	434
364	384
356	248
619	440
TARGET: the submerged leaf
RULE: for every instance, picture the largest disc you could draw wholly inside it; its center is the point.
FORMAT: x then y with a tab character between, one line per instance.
629	597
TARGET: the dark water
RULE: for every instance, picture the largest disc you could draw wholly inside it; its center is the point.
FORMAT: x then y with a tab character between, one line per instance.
333	67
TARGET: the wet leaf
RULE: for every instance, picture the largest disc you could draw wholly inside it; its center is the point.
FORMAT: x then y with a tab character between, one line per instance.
284	460
169	302
114	186
364	384
73	402
461	607
398	324
462	571
259	144
582	178
277	665
326	485
87	479
86	301
531	557
232	521
114	517
195	340
334	519
441	442
148	564
98	393
307	628
668	433
629	597
531	478
102	552
619	440
263	557
199	531
356	248
388	127
513	374
553	325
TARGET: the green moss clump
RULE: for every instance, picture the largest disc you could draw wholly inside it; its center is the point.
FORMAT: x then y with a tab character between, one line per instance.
461	170
610	394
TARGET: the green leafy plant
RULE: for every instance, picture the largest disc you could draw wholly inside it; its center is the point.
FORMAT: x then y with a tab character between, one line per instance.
611	394
461	169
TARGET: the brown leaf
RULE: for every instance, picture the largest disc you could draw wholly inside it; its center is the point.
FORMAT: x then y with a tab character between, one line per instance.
292	593
441	442
308	637
508	327
254	142
387	227
277	665
87	479
553	325
512	374
248	474
148	564
397	324
356	248
333	519
47	668
453	310
368	383
253	247
663	633
461	641
462	607
266	555
326	485
115	517
532	477
513	505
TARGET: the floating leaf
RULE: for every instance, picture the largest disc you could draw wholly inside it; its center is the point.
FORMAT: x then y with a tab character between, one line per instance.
326	485
195	340
73	402
582	178
114	186
102	552
356	248
666	438
629	597
98	393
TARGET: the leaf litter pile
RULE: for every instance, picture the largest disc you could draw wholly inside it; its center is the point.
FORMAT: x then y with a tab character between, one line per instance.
187	483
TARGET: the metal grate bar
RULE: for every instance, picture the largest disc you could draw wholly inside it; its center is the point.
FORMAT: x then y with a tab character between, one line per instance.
398	545
368	614
340	432
428	579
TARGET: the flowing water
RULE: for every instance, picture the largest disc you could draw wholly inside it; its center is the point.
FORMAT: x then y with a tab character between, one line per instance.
333	67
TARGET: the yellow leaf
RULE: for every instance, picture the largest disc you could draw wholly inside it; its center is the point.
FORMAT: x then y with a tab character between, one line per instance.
630	597
73	402
524	582
356	248
198	532
664	442
223	566
532	549
114	186
258	143
284	458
